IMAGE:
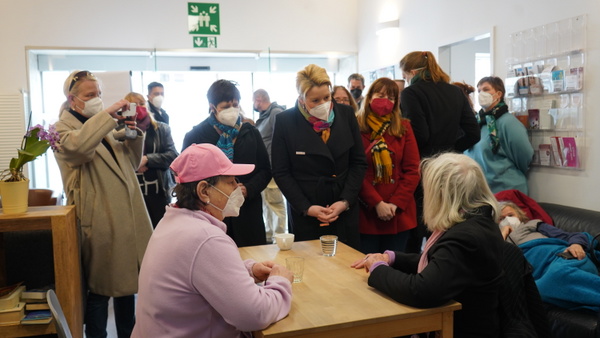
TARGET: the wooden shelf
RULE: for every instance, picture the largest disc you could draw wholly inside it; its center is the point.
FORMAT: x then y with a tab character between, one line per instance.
62	222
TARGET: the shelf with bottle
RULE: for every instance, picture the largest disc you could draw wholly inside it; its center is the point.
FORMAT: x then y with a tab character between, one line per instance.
557	149
562	112
551	76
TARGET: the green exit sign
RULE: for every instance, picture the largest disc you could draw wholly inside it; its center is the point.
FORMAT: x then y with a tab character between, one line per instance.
203	18
205	42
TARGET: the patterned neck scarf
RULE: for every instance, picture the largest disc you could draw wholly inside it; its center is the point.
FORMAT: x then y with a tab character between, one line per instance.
382	160
227	135
490	118
321	127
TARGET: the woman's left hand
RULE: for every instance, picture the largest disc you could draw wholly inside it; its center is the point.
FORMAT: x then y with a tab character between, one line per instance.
261	270
577	251
371	259
336	209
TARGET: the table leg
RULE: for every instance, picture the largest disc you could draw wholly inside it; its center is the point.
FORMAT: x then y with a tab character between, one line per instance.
67	270
447	325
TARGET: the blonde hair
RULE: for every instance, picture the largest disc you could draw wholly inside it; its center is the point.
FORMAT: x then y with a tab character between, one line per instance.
136	98
352	101
427	66
389	88
453	184
72	84
309	77
520	213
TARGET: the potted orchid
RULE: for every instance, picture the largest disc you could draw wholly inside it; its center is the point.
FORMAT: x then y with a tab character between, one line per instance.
13	184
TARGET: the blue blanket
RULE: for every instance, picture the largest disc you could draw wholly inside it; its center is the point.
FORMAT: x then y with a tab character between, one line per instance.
568	283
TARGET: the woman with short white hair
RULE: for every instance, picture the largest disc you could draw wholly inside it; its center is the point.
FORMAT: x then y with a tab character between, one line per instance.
461	260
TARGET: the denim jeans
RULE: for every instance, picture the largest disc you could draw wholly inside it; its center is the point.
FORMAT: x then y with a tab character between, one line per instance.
96	315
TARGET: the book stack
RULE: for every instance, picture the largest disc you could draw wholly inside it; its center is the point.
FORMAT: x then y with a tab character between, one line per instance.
37	317
37	310
12	310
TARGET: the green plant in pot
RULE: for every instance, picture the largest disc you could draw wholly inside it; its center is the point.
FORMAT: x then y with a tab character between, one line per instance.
36	142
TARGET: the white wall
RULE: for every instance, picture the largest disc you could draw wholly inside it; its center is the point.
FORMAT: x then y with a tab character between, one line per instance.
284	26
427	25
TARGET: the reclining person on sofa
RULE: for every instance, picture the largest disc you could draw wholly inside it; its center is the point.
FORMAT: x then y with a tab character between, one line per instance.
564	273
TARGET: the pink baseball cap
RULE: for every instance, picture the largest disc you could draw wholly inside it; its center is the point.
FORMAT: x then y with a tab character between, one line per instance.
200	161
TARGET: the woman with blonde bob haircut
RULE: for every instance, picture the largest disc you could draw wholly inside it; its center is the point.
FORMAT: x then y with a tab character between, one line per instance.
461	259
319	161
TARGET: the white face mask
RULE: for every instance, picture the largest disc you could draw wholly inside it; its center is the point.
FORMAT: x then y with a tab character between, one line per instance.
234	202
510	220
92	106
157	101
321	111
485	99
229	116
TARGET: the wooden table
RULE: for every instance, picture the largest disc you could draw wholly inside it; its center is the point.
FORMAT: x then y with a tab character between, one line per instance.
334	300
61	220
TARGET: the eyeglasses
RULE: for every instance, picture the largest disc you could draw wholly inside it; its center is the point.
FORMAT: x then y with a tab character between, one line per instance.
80	75
342	99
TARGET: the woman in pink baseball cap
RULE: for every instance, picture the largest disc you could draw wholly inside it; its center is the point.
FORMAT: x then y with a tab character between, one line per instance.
192	268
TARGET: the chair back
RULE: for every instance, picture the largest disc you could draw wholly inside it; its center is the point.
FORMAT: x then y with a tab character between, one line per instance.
39	197
62	327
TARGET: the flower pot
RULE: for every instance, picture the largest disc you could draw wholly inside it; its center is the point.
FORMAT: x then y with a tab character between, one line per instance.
14	196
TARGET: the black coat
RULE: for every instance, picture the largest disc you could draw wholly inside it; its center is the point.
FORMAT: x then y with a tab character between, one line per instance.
464	265
311	172
440	116
248	228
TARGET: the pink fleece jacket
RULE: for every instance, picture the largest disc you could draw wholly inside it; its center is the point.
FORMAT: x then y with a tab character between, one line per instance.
193	283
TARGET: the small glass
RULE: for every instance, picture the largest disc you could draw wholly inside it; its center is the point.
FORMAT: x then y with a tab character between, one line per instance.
296	266
329	245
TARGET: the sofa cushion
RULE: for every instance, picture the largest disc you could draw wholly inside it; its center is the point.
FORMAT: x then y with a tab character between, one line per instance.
580	323
564	323
573	219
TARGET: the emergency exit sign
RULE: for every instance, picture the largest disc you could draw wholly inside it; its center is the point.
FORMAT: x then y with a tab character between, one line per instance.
203	18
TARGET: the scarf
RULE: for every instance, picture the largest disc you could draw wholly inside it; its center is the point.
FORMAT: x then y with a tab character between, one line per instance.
227	135
423	261
321	127
144	122
382	161
426	76
490	118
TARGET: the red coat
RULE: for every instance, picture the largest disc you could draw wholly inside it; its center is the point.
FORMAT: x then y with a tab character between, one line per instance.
405	175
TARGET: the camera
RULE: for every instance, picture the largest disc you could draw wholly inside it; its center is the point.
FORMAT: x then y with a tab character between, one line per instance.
122	132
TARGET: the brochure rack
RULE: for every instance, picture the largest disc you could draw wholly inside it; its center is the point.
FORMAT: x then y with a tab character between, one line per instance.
545	89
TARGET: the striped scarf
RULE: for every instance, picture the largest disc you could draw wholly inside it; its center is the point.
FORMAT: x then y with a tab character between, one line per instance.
382	160
321	127
227	135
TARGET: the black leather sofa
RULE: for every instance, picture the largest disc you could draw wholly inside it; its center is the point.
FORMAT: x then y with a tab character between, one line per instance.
565	323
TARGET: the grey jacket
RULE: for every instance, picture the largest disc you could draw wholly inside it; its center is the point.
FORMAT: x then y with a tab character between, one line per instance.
266	122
